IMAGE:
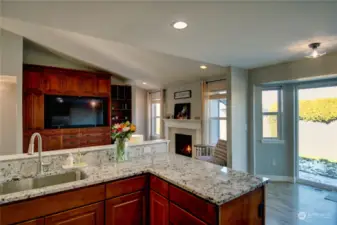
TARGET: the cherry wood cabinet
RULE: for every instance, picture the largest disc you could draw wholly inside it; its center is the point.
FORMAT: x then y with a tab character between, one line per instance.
71	138
55	139
121	103
103	86
50	204
197	206
178	216
39	81
88	84
246	210
87	215
159	209
130	202
71	85
33	111
33	222
126	186
33	80
159	185
53	82
52	140
127	210
94	139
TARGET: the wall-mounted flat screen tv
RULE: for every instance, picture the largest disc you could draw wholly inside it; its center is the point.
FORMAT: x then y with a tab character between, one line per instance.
75	112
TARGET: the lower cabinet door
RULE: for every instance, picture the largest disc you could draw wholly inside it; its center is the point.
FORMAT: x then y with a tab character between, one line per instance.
159	209
178	216
87	215
33	222
126	210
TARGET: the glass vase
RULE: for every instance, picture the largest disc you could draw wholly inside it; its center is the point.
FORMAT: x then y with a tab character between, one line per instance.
121	150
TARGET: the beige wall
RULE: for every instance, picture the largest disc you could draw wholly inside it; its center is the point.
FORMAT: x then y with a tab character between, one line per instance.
38	55
139	110
195	100
237	119
10	93
301	70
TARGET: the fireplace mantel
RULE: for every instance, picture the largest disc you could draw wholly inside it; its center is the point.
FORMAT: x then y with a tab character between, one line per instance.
183	123
190	124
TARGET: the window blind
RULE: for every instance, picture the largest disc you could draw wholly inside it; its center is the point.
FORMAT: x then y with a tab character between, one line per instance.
155	96
217	89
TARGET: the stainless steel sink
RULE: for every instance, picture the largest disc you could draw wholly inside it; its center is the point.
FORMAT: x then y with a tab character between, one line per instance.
39	182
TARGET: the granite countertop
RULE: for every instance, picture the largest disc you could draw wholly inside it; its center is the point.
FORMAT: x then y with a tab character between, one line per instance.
211	182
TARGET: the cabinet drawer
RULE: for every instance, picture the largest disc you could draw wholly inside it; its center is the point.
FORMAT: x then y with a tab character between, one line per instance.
95	130
70	143
46	205
179	216
52	131
159	185
71	131
90	215
126	186
93	141
71	137
199	207
33	222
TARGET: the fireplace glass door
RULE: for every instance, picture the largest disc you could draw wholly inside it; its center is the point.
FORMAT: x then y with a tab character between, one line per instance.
184	144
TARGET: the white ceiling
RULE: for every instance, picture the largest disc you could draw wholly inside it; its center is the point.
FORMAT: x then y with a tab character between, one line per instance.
138	65
243	34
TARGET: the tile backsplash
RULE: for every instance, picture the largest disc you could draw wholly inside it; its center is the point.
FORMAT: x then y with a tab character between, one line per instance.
26	166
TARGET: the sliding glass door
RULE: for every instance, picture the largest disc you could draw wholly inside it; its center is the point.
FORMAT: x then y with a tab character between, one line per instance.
317	134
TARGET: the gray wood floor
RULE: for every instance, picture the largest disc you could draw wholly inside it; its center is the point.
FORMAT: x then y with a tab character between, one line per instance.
296	204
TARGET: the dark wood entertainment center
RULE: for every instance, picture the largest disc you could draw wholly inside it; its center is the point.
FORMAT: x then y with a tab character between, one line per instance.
121	104
39	81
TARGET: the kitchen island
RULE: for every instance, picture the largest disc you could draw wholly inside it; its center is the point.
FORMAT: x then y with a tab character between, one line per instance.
154	188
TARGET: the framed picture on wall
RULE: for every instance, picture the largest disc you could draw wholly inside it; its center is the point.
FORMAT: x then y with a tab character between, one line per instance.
182	111
182	94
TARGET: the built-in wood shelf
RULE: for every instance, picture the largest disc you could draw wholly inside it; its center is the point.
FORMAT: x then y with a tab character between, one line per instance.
39	81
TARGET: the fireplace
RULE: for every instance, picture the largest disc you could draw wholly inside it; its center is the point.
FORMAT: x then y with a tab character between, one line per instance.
184	144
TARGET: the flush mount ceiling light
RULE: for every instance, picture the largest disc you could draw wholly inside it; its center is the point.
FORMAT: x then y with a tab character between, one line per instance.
144	83
315	54
179	25
203	67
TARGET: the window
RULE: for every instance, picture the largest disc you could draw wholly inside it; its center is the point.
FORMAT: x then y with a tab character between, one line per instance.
217	120
155	111
155	114
271	113
215	111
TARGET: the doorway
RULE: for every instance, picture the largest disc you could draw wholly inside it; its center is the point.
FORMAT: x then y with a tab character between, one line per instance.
317	135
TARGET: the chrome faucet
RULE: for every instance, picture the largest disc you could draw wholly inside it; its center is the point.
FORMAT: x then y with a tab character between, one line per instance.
39	148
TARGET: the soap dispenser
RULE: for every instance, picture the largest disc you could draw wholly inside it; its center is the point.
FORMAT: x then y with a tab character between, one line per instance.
70	160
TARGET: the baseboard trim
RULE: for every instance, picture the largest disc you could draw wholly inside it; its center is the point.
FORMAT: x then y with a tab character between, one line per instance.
279	178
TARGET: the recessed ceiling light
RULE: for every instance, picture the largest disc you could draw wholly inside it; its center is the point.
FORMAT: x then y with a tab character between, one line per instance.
203	67
144	83
179	25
